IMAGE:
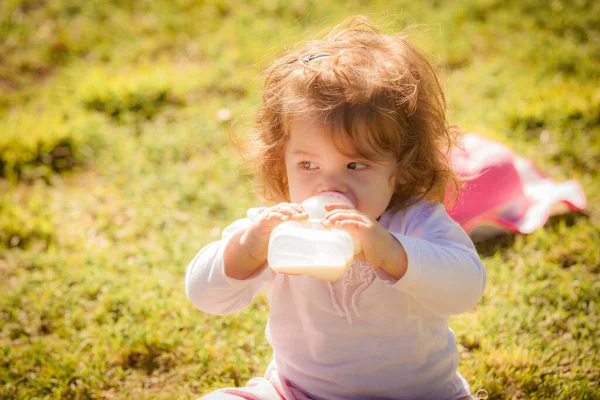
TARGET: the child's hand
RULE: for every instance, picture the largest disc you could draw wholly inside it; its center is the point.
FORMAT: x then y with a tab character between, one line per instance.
256	238
379	247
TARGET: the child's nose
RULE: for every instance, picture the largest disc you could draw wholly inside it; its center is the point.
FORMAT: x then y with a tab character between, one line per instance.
332	182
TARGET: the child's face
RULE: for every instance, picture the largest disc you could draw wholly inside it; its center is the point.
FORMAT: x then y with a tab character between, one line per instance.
314	164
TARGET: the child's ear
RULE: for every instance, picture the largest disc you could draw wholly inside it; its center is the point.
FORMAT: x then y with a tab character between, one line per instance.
398	177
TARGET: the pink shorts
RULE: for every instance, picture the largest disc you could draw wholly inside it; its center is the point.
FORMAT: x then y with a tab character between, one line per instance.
271	387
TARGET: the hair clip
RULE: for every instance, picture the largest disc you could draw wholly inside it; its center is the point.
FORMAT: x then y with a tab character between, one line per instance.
311	57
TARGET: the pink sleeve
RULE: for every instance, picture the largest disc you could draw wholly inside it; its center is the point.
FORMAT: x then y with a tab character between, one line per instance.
445	273
207	286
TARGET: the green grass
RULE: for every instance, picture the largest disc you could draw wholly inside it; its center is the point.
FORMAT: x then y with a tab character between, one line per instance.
115	171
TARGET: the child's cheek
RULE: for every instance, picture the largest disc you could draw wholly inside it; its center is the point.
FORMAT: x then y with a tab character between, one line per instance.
299	186
364	180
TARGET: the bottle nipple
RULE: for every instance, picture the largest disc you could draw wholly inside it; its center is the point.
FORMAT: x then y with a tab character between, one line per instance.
315	206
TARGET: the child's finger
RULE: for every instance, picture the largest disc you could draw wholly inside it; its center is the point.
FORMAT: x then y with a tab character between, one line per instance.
360	256
293	206
336	214
290	209
337	206
343	214
275	216
294	213
349	225
343	220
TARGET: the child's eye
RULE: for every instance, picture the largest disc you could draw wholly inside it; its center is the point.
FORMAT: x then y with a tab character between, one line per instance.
308	165
357	165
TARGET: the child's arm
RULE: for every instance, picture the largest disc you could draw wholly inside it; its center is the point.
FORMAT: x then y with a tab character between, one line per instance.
444	271
210	289
420	251
246	252
225	276
379	247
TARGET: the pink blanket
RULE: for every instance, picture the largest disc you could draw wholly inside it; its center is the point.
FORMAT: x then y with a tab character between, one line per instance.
506	192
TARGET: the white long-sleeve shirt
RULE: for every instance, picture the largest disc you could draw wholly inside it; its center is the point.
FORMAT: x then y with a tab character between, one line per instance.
364	336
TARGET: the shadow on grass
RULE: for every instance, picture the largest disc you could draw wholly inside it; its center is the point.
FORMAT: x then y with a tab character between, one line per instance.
491	246
570	219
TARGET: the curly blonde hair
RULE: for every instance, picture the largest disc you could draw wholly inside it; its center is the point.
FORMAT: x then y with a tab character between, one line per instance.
376	89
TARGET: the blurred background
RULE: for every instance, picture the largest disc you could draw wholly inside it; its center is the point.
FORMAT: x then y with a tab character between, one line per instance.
116	168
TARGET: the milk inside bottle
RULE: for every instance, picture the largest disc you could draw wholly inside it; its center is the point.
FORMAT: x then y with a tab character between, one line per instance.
308	248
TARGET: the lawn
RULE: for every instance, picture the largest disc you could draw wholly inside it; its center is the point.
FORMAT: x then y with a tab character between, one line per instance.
116	168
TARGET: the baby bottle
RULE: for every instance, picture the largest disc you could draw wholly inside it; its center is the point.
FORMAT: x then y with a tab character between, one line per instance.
308	248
